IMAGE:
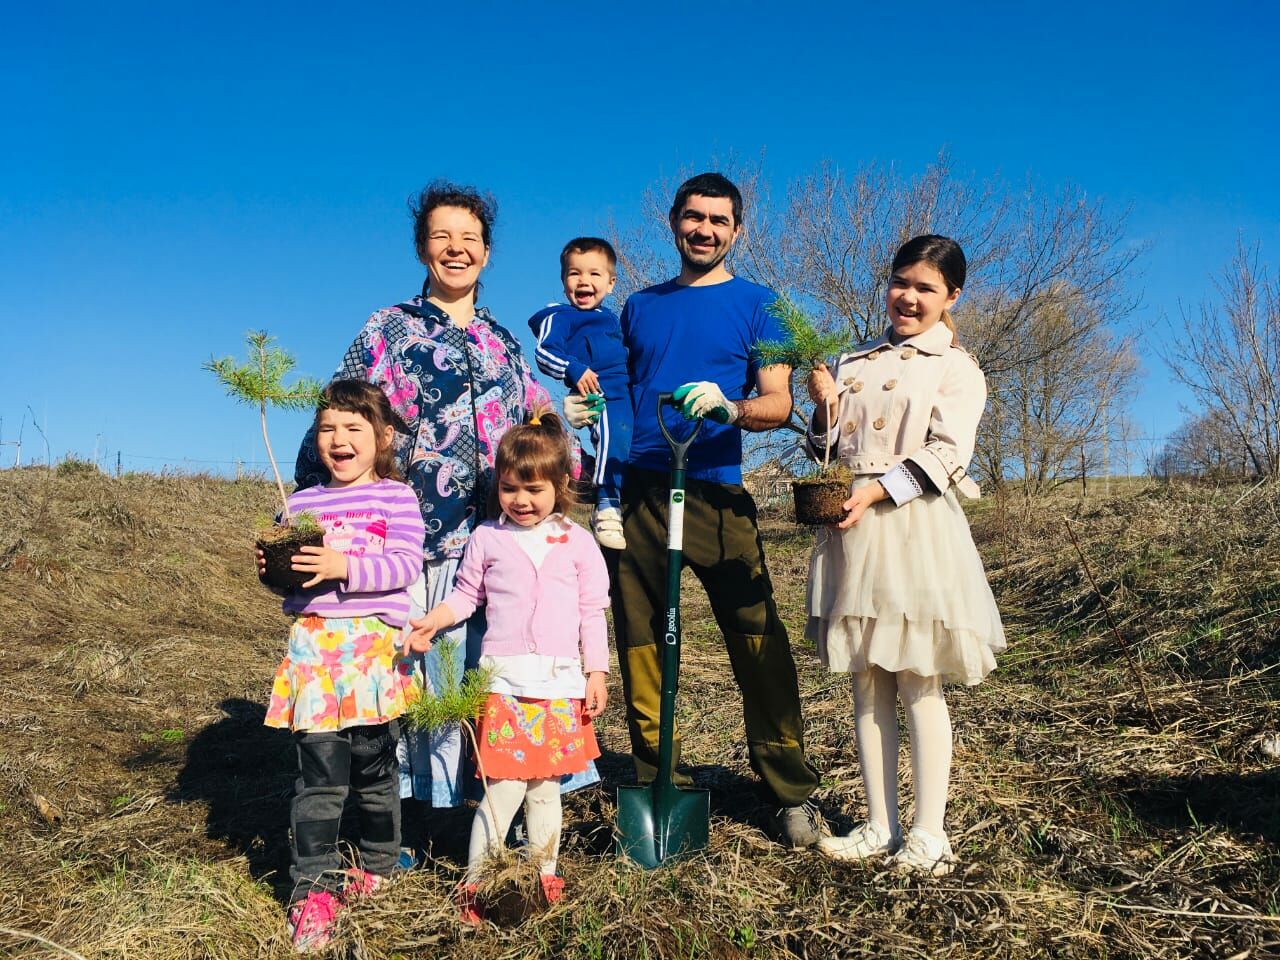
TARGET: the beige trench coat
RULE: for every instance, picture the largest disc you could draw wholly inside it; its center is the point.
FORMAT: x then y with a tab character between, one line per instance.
919	400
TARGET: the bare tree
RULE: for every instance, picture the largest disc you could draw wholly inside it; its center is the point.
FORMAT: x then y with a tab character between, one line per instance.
1205	445
1227	352
1050	419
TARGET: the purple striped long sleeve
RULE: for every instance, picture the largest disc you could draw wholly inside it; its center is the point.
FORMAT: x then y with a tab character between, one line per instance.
379	527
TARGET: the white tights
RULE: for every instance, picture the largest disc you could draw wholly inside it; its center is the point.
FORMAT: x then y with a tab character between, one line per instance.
541	800
875	719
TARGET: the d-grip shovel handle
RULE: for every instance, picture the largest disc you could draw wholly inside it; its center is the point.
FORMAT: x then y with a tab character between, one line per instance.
679	448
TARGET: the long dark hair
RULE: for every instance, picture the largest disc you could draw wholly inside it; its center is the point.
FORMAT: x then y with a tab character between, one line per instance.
366	400
945	256
537	450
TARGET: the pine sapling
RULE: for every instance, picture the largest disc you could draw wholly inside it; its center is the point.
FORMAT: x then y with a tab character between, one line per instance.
260	382
457	701
803	348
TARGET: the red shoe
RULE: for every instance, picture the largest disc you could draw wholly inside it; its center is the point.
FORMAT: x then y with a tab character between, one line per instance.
552	887
469	910
359	883
311	921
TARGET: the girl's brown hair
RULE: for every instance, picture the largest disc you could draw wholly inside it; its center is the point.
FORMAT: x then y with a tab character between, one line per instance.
366	400
537	450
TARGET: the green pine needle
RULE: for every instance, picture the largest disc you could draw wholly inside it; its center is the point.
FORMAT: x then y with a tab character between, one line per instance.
260	380
458	701
804	345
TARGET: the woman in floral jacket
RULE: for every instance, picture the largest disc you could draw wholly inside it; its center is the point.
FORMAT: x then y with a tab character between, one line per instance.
458	380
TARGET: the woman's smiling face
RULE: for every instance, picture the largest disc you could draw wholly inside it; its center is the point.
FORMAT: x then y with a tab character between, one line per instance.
455	252
916	297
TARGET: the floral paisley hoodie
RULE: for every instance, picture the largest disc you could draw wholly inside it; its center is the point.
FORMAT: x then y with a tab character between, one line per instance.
456	391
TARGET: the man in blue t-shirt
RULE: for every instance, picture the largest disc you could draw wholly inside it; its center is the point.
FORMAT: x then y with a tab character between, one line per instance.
693	336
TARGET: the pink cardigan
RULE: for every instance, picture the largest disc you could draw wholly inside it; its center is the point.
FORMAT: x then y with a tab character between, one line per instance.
553	610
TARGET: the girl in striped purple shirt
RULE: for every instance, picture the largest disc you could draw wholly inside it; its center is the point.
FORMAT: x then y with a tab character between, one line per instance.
342	685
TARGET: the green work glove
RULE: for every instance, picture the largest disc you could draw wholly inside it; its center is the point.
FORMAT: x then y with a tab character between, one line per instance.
705	400
582	411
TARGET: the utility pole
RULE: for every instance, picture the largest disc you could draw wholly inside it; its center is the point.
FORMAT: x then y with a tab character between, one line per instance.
16	444
1106	450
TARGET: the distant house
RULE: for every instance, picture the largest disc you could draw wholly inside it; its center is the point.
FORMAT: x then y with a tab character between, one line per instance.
769	483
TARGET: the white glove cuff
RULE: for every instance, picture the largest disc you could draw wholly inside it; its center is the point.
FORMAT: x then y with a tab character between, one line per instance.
901	486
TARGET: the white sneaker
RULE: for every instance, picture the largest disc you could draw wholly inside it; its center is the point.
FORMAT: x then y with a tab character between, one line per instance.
607	524
924	853
864	841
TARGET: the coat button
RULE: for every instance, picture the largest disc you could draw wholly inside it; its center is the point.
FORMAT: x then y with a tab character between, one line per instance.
849	426
879	424
848	380
857	385
890	384
908	353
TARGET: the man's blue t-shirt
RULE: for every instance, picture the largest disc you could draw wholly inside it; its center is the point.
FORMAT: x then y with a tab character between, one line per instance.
677	335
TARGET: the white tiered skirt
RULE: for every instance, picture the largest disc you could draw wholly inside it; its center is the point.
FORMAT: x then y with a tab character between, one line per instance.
904	589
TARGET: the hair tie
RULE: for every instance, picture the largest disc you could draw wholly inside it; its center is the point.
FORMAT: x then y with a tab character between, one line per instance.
538	412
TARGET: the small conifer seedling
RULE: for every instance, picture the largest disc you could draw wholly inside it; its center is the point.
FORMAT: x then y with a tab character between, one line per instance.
804	347
260	382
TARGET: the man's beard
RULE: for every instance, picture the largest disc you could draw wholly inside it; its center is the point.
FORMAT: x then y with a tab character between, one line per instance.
700	267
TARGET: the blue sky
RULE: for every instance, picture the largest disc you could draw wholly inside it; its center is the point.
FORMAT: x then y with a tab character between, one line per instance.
173	175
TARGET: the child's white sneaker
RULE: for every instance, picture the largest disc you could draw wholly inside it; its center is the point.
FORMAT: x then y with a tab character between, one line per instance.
864	841
924	853
607	524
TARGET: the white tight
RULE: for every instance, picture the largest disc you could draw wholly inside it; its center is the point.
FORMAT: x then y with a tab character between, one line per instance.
541	800
875	720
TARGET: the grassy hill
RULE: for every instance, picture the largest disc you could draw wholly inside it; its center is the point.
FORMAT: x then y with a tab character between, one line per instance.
144	808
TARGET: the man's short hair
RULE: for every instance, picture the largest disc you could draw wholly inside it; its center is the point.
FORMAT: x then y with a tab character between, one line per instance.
588	245
708	185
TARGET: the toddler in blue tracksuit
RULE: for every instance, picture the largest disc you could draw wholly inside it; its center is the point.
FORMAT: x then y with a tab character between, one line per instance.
580	344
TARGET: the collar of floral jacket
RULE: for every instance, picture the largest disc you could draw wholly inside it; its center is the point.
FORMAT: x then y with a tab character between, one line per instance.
936	340
424	309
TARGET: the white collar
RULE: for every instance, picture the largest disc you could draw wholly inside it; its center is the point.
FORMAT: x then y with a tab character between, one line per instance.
557	518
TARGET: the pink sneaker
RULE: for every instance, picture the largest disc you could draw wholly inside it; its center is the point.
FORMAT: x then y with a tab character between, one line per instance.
311	921
552	887
359	883
470	910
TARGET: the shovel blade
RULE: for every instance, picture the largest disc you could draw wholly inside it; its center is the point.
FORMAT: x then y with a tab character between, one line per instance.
649	836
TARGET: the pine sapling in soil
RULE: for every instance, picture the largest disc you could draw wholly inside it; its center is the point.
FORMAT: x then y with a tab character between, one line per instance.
819	497
510	891
260	382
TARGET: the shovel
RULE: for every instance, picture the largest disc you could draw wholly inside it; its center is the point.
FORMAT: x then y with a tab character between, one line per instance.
659	820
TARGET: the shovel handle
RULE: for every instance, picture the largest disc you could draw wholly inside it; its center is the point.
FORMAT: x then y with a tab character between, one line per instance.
679	448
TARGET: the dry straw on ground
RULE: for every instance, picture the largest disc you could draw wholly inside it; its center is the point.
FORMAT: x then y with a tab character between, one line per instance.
144	808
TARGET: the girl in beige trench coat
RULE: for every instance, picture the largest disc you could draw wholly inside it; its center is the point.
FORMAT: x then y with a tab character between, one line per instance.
897	593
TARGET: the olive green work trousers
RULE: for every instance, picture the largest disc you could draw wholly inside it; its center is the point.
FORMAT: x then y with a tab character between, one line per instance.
723	548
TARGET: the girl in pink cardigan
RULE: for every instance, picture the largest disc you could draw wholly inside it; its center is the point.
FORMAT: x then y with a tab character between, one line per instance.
544	585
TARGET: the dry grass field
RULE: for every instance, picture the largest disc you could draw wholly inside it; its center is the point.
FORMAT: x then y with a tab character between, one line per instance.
144	807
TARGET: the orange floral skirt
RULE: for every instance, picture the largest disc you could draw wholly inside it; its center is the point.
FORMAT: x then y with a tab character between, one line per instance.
526	739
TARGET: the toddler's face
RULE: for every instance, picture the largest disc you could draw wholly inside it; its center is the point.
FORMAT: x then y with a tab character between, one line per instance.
526	502
588	279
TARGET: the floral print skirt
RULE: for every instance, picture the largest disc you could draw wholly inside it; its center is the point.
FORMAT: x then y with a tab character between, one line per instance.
341	672
525	739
